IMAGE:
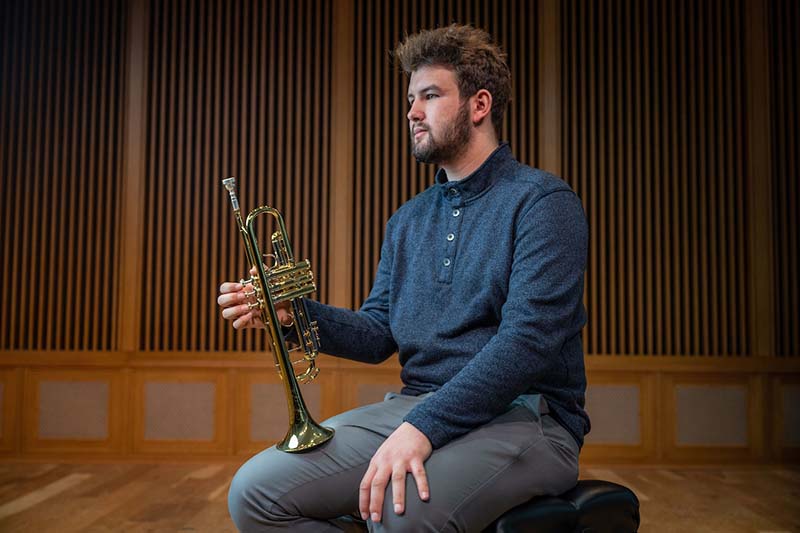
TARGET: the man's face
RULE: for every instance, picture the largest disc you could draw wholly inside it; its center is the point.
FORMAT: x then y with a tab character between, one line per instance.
439	122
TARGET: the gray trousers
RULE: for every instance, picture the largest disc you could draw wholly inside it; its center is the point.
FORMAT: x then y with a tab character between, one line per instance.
473	479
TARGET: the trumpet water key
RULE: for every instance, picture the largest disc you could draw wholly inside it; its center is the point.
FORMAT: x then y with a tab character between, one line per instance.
290	281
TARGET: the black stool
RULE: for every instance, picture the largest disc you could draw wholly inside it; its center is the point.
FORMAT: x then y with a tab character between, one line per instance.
591	507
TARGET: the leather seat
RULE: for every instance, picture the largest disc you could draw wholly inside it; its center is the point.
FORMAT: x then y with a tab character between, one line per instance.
593	506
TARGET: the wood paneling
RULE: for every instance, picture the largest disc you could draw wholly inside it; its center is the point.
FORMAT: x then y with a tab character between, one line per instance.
653	142
321	408
649	414
221	438
118	120
784	32
34	443
9	440
752	450
63	71
233	89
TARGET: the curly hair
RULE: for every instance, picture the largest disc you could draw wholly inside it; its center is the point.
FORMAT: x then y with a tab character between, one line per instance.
478	62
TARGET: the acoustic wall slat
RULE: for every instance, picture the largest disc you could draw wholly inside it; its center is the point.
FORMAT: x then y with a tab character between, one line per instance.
660	129
61	64
234	89
784	24
386	174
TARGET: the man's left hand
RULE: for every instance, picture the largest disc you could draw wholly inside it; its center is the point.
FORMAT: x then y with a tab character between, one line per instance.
404	451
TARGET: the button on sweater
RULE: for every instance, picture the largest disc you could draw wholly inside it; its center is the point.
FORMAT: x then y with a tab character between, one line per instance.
479	289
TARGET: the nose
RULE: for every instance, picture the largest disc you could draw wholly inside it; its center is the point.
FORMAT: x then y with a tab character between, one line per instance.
415	114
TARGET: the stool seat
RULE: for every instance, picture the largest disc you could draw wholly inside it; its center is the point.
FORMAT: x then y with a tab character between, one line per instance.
592	506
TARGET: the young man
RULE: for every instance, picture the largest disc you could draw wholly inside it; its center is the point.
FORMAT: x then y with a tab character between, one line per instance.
479	289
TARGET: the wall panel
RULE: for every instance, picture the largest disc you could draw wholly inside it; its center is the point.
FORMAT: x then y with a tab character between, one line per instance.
784	24
63	71
653	111
653	140
178	411
234	89
73	411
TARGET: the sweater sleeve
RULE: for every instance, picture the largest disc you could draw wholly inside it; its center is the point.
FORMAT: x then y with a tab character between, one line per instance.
362	335
543	309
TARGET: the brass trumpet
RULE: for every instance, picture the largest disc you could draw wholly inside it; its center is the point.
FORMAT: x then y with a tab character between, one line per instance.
285	280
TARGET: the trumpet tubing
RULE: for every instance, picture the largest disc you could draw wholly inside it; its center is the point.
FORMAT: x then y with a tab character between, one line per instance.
285	281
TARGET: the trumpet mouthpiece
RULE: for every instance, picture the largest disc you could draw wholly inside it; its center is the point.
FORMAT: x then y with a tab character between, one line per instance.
230	184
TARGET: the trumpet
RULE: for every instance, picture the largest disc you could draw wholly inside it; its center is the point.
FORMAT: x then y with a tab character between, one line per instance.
285	280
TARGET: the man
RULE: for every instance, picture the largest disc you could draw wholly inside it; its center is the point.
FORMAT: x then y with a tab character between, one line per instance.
479	289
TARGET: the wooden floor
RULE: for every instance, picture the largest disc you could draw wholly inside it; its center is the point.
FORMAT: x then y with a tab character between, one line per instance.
131	498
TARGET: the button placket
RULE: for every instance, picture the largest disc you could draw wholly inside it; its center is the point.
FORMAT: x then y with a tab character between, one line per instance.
450	245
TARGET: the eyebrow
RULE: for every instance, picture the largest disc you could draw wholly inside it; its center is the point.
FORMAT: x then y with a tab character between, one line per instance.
431	87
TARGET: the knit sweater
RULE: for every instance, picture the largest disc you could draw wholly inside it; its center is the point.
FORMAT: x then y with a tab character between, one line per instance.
479	290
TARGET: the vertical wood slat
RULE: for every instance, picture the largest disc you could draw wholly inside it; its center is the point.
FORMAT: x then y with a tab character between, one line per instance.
343	216
207	121
59	200
759	171
784	32
702	203
683	293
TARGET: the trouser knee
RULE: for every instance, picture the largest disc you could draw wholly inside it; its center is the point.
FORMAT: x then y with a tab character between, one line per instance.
251	508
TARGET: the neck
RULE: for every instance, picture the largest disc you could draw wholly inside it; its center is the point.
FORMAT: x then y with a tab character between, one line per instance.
478	150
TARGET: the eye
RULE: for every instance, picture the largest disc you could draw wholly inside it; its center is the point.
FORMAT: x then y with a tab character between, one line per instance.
430	96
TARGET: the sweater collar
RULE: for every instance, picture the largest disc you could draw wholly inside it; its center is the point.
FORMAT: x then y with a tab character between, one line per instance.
481	179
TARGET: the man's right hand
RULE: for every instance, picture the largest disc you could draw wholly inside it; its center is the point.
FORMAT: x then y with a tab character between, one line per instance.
234	303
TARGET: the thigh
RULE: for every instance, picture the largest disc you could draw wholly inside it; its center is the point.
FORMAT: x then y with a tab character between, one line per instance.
477	477
323	482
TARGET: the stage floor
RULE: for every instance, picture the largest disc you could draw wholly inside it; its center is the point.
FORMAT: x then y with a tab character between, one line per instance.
139	498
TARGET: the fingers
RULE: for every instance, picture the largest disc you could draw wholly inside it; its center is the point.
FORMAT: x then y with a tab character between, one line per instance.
376	494
286	318
230	286
364	492
421	478
243	321
399	490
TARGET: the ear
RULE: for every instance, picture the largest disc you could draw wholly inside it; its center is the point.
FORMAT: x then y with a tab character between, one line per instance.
481	106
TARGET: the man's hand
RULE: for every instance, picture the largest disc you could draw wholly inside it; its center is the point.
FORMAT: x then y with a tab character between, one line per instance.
234	303
404	451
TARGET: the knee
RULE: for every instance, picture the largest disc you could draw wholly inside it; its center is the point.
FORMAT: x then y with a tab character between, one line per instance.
241	501
250	506
423	517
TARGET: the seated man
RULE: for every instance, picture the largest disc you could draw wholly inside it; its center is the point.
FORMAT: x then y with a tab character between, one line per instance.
479	289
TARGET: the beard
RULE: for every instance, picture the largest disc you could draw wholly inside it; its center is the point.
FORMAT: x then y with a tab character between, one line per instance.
447	145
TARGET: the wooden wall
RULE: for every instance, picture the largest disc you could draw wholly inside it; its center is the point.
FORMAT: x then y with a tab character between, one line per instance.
676	123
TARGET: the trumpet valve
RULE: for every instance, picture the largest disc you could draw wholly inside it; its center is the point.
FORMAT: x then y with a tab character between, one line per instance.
250	281
258	304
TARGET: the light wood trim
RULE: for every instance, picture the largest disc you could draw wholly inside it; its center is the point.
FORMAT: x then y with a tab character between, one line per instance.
9	441
550	86
674	452
257	359
243	444
778	450
219	444
133	201
33	444
342	167
759	176
352	378
649	413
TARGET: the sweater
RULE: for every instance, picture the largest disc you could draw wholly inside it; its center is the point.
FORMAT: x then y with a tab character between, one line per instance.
479	290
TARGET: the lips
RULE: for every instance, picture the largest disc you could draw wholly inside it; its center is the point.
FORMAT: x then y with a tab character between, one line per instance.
419	131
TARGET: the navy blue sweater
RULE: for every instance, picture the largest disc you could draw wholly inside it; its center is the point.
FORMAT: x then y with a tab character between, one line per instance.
479	289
